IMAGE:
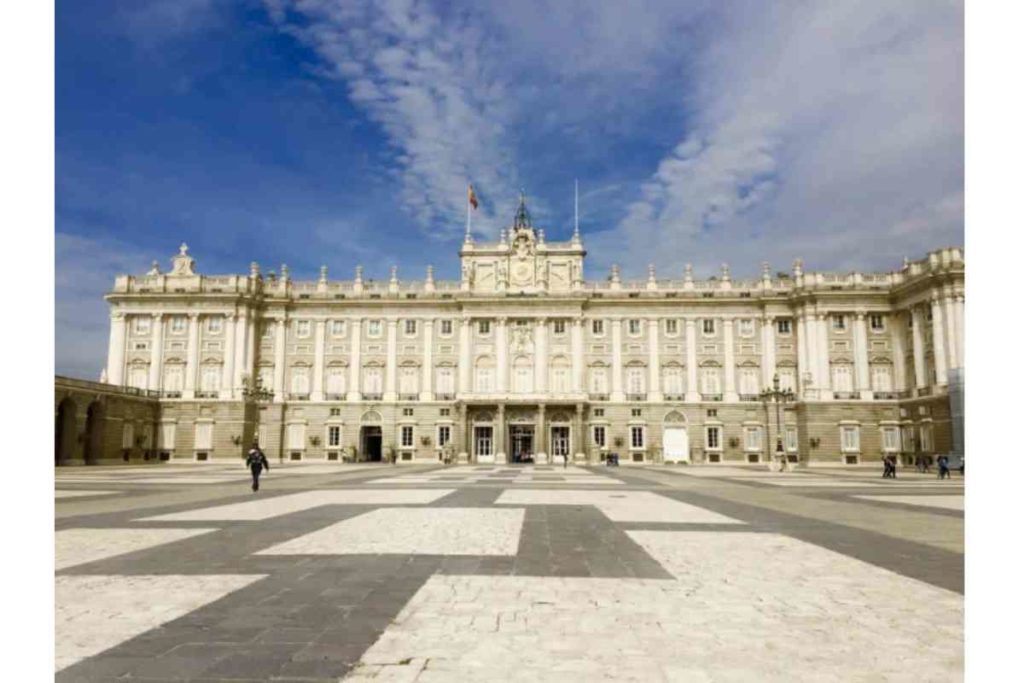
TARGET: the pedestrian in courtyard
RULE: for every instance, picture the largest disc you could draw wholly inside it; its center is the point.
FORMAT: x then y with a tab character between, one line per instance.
943	467
886	467
892	466
256	461
565	461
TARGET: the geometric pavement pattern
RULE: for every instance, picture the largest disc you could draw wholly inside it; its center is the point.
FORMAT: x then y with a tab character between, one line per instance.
342	572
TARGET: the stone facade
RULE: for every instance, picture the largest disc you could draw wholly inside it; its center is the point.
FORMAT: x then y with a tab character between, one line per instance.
96	423
523	356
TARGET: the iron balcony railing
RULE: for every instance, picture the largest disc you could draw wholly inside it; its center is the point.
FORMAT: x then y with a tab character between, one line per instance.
846	395
207	394
711	397
408	397
372	396
335	397
298	397
749	397
636	397
444	396
598	397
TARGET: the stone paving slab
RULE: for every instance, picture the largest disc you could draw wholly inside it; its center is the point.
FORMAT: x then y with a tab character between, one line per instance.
414	531
941	502
79	546
58	494
625	506
264	508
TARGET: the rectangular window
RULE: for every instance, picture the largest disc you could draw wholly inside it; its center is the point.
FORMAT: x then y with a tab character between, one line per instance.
850	438
373	328
444	435
890	439
484	327
178	324
484	440
713	412
407	412
671	327
839	323
127	435
785	326
881	378
598	412
636	437
214	324
446	328
410	328
334	436
204	436
746	327
559	327
407	436
926	438
597	328
634	327
790	439
636	412
708	326
752	438
877	322
335	412
599	436
301	329
295	436
165	437
445	412
713	438
141	324
337	328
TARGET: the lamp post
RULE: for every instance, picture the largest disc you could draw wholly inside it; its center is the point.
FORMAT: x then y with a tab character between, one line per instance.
777	396
253	390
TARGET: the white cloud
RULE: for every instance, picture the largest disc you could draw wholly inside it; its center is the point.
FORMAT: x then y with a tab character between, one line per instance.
824	129
421	80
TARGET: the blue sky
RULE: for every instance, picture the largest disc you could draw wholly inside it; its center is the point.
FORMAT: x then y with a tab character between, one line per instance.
337	133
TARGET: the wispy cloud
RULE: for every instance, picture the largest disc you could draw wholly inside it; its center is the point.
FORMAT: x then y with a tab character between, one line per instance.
420	78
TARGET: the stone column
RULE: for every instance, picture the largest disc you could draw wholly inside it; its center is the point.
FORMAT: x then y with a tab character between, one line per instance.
355	362
317	394
115	352
391	371
241	341
767	350
899	361
692	390
730	362
465	356
227	380
917	336
251	339
617	394
427	393
541	454
499	435
463	447
192	359
958	310
860	356
280	338
156	353
577	355
501	353
540	357
938	342
949	318
821	347
654	361
579	438
803	351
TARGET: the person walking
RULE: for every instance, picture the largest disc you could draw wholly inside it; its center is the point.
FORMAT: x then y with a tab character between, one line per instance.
892	466
256	461
886	467
943	467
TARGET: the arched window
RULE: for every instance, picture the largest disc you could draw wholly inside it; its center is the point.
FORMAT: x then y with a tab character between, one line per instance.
749	383
446	380
300	380
138	376
336	380
635	379
842	378
522	375
408	379
672	378
710	381
484	375
174	376
373	380
209	378
599	379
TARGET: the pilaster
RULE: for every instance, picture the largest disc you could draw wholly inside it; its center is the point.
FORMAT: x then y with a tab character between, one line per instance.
427	394
577	355
692	390
280	334
192	362
156	354
355	362
540	353
317	393
617	394
938	342
860	356
730	361
391	371
227	380
465	355
767	350
501	353
653	361
917	337
116	350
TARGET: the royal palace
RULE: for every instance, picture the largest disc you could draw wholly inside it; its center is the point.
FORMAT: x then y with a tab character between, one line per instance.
522	358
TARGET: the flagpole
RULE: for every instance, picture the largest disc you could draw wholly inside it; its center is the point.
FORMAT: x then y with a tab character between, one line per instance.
469	218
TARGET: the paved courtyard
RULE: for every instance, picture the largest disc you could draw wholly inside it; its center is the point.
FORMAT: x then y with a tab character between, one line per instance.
463	573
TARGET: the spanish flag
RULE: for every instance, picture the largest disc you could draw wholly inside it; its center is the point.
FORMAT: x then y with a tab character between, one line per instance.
472	197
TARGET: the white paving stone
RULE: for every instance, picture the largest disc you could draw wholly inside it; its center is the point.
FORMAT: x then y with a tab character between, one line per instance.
745	607
624	506
414	531
846	484
95	613
81	494
275	506
78	546
941	502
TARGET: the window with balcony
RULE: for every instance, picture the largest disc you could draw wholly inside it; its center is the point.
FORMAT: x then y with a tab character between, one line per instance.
635	384
300	382
335	382
174	379
672	380
373	381
881	378
750	384
560	376
138	377
599	381
484	383
710	381
842	378
209	380
445	382
408	382
522	375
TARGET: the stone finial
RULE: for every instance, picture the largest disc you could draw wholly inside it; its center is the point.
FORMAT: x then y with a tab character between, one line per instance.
272	276
182	263
798	268
254	270
725	272
502	236
323	273
540	236
766	270
650	271
359	273
688	272
906	263
615	273
284	272
154	268
430	273
394	273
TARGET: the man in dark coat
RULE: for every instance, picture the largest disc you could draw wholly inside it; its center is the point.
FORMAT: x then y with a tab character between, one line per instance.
256	462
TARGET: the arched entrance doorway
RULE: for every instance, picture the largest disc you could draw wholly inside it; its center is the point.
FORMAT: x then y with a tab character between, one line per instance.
371	436
65	437
94	433
675	440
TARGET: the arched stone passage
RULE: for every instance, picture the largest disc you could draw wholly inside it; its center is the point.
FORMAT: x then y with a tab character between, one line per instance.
65	435
94	433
